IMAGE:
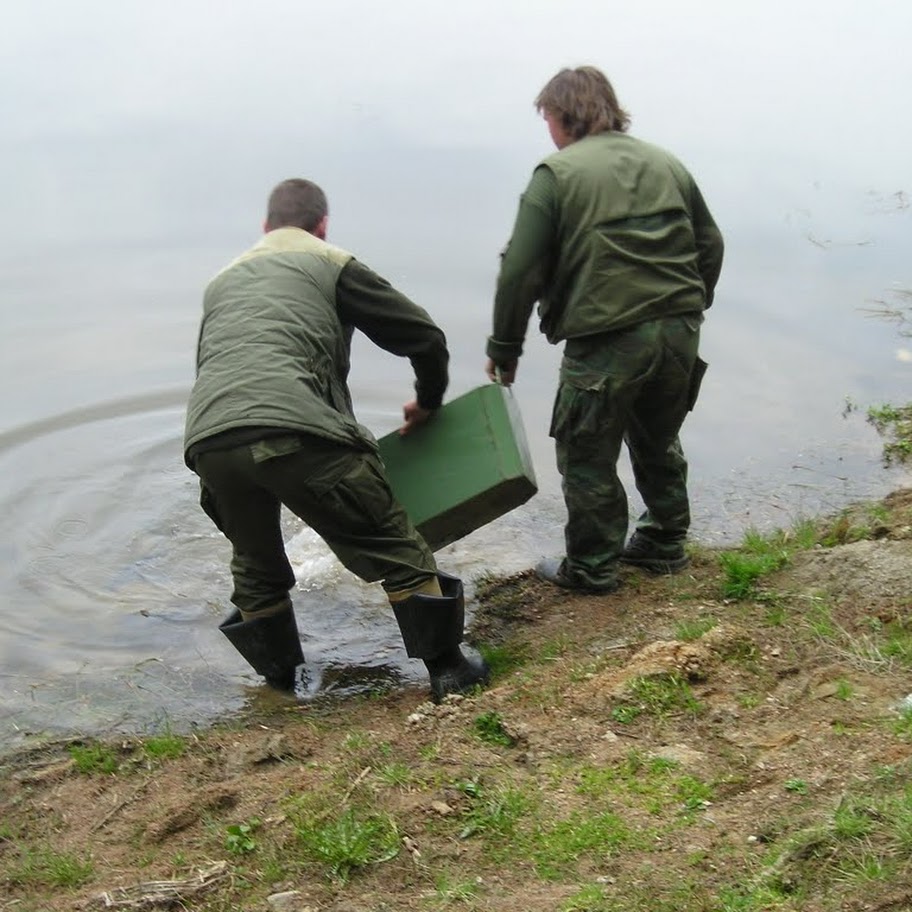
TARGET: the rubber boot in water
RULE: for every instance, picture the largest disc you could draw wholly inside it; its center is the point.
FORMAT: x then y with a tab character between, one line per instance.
432	628
270	644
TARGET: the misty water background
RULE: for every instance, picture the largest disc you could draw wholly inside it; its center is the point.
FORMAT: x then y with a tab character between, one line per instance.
138	144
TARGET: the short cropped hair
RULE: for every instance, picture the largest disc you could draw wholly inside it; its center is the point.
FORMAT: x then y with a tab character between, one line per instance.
296	203
585	102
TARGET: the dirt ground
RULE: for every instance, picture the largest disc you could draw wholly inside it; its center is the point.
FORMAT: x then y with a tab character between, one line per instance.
659	748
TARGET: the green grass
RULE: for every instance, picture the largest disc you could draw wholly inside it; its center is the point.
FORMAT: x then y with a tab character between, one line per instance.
759	555
504	659
819	617
798	786
626	713
46	867
357	742
349	841
743	571
489	727
776	613
844	690
903	725
164	747
429	752
518	827
693	793
589	899
448	892
865	867
853	525
554	649
884	646
751	899
898	810
557	847
679	897
656	695
866	838
896	637
395	774
634	775
653	784
851	819
94	758
103	759
494	812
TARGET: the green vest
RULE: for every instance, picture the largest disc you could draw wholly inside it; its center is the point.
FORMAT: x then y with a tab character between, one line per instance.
272	351
627	251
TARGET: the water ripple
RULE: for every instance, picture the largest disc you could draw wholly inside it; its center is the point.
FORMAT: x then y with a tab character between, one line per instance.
103	411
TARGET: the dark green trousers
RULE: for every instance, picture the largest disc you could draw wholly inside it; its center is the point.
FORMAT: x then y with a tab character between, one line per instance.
340	492
632	386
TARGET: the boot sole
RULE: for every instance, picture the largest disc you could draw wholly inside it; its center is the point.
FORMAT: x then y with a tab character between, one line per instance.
474	673
545	574
656	565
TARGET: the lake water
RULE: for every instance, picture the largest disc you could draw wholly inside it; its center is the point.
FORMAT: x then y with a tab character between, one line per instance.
139	144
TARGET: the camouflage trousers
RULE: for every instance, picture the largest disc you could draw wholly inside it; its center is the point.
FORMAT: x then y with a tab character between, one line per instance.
634	386
340	492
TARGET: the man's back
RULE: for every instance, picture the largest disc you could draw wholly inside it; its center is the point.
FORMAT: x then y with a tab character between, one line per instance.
272	350
627	217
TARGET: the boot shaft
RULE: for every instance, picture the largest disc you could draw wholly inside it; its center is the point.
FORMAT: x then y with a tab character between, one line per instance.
432	625
270	645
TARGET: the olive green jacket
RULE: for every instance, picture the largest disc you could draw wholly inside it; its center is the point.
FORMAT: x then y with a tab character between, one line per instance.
274	342
611	232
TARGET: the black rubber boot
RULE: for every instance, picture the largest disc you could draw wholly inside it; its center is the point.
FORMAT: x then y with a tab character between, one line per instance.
432	628
271	645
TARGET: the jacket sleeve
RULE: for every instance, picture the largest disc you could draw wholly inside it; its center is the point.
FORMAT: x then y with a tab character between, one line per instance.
710	247
525	267
396	324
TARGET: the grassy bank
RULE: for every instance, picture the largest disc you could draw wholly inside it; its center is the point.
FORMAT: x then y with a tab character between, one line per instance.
729	739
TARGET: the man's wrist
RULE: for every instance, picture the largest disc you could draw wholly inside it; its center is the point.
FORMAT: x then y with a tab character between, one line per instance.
503	353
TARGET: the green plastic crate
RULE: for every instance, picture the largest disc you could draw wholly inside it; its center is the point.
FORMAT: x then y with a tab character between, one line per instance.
468	465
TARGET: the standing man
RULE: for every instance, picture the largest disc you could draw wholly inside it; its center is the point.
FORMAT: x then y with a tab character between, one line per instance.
270	422
614	241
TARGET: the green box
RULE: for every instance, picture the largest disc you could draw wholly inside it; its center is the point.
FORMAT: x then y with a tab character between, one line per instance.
468	465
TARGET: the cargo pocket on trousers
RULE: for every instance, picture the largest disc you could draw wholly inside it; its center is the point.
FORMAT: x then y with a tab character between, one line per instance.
578	404
361	498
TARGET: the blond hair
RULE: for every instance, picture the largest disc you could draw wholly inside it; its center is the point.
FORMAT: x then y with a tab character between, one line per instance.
585	102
